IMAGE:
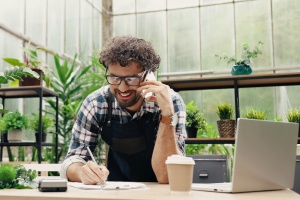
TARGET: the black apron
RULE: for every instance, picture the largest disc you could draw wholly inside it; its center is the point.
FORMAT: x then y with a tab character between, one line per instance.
130	148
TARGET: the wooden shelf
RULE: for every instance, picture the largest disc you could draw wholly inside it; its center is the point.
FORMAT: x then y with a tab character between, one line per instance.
213	140
243	81
26	92
210	140
35	144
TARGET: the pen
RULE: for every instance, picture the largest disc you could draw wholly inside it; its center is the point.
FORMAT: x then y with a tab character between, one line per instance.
88	148
93	158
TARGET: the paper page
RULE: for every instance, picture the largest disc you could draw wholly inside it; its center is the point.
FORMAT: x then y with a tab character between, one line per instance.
110	185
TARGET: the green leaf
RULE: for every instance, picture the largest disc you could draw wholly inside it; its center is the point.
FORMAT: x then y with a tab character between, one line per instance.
28	71
3	79
14	62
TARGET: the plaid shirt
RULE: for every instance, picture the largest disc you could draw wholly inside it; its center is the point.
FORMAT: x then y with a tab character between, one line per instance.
92	117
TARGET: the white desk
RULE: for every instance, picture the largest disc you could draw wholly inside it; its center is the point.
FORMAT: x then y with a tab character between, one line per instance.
154	191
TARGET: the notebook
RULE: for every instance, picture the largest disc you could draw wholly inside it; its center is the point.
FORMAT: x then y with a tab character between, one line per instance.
110	185
264	159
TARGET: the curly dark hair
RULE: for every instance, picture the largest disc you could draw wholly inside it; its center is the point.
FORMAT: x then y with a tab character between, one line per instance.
125	49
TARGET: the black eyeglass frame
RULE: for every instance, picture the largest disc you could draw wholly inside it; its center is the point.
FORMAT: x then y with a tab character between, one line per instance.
140	78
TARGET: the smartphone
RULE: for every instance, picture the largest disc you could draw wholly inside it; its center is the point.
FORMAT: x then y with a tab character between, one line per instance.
149	77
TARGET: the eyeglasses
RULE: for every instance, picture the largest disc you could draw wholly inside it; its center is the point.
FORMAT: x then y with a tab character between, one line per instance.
129	80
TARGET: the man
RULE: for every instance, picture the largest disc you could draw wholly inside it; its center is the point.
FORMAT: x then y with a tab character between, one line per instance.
140	132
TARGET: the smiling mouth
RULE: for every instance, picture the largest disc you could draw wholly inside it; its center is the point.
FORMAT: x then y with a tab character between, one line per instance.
125	95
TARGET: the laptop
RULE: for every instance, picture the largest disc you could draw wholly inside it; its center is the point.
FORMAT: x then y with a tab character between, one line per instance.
264	159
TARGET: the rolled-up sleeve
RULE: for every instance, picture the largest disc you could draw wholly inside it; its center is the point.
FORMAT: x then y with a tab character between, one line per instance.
67	162
85	132
179	108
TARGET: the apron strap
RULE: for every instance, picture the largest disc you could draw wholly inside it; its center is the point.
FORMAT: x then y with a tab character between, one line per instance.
109	108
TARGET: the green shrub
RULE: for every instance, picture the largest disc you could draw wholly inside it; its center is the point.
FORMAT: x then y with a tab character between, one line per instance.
17	177
194	117
47	122
15	120
7	173
2	126
255	114
225	111
293	116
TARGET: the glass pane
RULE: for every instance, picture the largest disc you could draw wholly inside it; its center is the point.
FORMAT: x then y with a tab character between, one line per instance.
182	3
72	27
155	32
217	31
124	25
213	2
98	4
146	5
121	6
290	97
97	31
11	16
253	25
10	48
287	99
286	33
35	25
263	102
55	29
183	40
86	16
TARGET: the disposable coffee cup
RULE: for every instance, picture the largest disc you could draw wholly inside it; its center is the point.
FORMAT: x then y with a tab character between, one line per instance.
180	172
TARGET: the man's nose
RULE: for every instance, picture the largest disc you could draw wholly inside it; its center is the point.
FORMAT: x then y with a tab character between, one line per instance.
123	86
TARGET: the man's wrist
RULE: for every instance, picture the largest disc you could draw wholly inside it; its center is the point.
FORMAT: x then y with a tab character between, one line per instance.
170	120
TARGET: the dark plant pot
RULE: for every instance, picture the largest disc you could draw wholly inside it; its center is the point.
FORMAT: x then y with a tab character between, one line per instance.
241	70
191	132
29	81
226	128
4	137
44	136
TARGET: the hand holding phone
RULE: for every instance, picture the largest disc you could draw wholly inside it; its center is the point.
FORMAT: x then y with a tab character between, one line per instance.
149	77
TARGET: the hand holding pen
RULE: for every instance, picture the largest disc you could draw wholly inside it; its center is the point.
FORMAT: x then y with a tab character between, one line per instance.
92	173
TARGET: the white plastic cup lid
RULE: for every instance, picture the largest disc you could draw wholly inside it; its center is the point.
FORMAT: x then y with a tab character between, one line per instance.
178	159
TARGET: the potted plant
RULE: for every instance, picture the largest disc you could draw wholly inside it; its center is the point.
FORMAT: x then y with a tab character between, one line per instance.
242	66
194	120
255	114
16	73
3	131
15	122
32	62
226	125
47	122
294	116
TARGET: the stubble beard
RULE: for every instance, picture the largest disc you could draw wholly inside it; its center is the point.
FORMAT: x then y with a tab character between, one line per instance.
128	103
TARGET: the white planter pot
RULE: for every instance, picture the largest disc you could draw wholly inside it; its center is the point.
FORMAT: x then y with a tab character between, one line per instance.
15	135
